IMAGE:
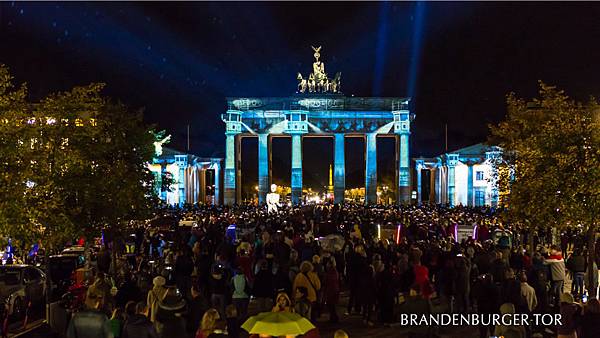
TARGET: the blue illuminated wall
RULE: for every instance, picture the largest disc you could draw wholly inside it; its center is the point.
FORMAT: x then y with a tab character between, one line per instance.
466	177
327	115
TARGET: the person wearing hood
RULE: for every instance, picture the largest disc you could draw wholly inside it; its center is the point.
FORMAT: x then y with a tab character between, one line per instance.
283	303
513	331
309	280
138	325
155	295
170	314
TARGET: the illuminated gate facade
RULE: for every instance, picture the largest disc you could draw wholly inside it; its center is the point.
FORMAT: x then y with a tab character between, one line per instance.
317	109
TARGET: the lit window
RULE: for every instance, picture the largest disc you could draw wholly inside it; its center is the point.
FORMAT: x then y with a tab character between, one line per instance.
479	176
479	198
79	122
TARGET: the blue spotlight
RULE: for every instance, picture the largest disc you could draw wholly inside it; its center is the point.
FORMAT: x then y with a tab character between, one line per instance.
380	51
417	39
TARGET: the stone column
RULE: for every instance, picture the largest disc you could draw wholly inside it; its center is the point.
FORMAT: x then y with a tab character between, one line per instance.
432	190
339	169
230	173
419	167
371	169
217	182
201	186
263	167
451	186
296	168
470	201
404	169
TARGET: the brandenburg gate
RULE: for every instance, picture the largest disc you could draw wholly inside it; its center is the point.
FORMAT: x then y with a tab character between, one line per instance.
318	109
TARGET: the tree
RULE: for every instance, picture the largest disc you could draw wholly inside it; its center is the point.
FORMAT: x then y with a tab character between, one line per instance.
552	146
75	162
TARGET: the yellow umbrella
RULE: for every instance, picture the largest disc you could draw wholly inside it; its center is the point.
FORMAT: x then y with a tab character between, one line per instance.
278	324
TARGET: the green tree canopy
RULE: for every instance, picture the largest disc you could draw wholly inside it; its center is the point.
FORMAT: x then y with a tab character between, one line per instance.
554	152
552	145
72	163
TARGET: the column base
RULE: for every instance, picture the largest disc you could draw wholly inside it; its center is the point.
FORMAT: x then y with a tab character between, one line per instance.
229	197
296	196
338	195
404	195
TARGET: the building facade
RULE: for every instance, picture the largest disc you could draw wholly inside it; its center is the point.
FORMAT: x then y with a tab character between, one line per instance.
466	177
195	180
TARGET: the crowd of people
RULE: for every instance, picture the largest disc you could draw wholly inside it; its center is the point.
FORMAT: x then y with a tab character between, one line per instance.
204	281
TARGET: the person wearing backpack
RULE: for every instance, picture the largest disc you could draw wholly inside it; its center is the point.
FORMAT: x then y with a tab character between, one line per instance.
308	279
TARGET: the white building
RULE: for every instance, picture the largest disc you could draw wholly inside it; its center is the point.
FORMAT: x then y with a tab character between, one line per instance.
463	177
196	180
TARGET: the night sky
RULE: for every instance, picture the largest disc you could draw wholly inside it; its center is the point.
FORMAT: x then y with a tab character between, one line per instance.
180	60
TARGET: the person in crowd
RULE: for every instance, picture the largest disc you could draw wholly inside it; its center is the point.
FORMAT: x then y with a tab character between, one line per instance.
197	306
170	315
590	322
461	283
570	316
357	262
487	300
302	305
90	322
116	322
510	291
331	290
241	290
577	266
128	291
138	325
157	293
264	287
184	266
283	303
232	320
368	293
340	334
528	294
221	330
416	304
208	323
130	309
309	280
219	288
557	273
512	331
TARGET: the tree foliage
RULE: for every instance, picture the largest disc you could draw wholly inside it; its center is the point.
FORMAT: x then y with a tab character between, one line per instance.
551	144
71	164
